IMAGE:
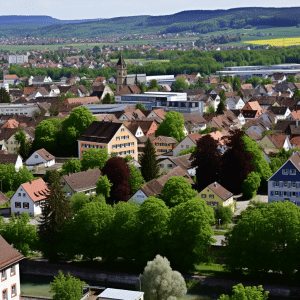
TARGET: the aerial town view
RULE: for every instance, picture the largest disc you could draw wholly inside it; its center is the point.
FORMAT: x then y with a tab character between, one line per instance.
149	151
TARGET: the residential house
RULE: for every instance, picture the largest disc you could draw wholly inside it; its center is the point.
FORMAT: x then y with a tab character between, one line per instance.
268	117
137	114
29	197
128	90
194	122
10	158
81	182
79	90
155	186
188	142
258	125
40	157
215	194
265	90
235	103
162	144
115	137
9	271
157	114
10	79
281	113
239	116
265	101
101	91
294	115
82	100
252	110
284	184
39	80
279	77
142	127
276	141
253	135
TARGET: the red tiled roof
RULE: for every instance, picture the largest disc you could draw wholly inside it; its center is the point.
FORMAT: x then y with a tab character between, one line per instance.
37	189
83	100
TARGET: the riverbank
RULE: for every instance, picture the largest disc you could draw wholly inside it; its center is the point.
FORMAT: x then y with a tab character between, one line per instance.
41	267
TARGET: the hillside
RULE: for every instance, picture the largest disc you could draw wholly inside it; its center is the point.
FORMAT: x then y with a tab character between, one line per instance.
201	21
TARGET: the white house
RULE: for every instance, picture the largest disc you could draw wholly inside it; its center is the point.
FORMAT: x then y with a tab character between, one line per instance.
9	271
11	158
188	142
40	157
29	197
235	102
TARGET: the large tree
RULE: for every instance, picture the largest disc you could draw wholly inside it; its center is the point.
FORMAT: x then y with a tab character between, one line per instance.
66	287
190	233
236	163
172	126
246	293
160	282
56	212
25	145
73	165
221	107
180	84
154	218
206	159
136	179
4	96
117	171
149	163
177	190
93	159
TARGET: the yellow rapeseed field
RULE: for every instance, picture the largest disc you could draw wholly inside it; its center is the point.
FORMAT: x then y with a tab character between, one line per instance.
276	42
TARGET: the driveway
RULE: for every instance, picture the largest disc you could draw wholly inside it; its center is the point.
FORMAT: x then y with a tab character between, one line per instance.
242	205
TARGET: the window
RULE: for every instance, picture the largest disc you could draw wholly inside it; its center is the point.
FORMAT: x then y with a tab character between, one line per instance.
3	275
24	194
276	183
211	196
285	172
117	138
293	194
13	290
4	295
169	166
285	184
181	146
284	193
26	205
203	196
293	184
293	171
13	270
132	144
19	194
161	165
276	193
18	205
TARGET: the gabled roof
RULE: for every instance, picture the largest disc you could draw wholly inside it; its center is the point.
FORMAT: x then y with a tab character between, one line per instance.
83	100
9	255
195	137
278	110
253	105
3	198
166	139
184	161
45	154
277	139
8	158
83	180
220	191
121	62
37	189
6	133
100	132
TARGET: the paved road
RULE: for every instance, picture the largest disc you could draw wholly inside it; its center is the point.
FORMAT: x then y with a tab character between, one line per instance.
242	205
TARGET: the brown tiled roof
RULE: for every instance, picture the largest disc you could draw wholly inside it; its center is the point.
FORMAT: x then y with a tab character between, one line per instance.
296	114
9	255
3	198
278	110
166	139
247	86
295	141
160	113
283	126
107	118
194	119
37	189
130	89
8	158
277	139
195	137
183	161
100	132
29	90
231	94
295	159
6	133
45	154
253	105
83	180
83	100
253	135
12	76
143	124
220	191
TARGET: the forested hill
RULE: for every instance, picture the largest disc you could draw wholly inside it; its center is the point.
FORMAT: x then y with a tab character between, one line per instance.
37	20
202	21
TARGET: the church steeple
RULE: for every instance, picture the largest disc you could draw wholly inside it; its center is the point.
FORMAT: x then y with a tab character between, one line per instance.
121	74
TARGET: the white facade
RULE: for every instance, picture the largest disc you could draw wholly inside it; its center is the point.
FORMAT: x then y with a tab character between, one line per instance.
36	159
21	202
255	128
19	163
139	132
10	282
27	109
186	143
283	117
5	86
231	104
17	59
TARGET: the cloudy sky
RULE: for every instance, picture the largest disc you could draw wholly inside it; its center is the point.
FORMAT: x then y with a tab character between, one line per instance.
91	9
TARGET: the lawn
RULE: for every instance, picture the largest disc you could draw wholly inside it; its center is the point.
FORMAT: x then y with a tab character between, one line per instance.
276	42
211	269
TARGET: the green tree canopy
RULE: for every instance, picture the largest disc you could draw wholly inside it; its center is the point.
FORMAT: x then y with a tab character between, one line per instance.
180	84
25	145
240	292
140	106
94	158
136	180
4	96
221	108
177	190
104	186
172	126
66	287
73	165
223	213
251	185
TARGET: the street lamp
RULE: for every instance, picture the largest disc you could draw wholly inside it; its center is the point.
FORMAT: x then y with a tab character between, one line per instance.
219	223
140	280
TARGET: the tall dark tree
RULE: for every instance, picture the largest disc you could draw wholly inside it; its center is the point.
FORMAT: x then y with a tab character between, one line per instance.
236	163
207	159
221	108
25	145
4	96
117	171
222	95
56	212
149	163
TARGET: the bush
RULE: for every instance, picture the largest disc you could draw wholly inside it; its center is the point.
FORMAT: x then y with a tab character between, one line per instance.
224	213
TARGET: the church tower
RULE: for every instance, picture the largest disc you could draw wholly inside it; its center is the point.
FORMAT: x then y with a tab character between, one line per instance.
121	74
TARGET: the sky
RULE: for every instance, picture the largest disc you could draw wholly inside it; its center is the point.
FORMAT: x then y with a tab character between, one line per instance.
92	9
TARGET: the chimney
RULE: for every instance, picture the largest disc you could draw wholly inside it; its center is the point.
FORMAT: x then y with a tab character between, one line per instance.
215	184
297	122
30	181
